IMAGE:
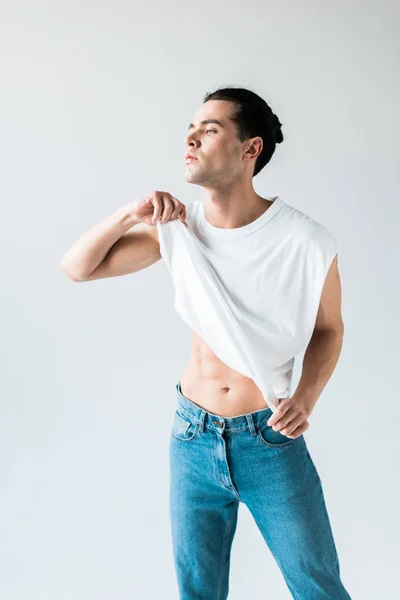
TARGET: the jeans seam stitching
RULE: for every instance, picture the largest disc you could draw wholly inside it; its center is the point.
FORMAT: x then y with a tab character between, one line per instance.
283	445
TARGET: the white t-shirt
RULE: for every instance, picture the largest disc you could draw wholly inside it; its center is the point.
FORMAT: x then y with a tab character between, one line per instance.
251	293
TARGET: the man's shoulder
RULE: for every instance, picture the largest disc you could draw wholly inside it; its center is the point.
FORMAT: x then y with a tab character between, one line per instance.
308	228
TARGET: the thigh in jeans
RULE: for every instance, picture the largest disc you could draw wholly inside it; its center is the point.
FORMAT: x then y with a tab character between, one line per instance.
203	513
283	491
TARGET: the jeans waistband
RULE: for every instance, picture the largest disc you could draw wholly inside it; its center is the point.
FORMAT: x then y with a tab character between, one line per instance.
200	415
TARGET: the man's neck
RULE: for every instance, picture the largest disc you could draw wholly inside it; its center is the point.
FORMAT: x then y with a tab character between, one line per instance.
231	211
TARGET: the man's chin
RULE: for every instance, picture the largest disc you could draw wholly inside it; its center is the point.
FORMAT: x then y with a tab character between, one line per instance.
192	178
195	175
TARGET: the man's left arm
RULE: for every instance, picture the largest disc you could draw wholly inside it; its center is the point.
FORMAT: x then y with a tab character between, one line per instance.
320	359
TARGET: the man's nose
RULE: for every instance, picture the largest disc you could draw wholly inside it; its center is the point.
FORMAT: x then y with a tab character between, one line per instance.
190	139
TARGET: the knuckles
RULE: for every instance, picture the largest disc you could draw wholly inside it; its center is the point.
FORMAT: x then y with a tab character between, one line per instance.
159	193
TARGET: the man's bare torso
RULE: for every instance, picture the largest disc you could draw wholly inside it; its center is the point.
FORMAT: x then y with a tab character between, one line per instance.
211	384
214	386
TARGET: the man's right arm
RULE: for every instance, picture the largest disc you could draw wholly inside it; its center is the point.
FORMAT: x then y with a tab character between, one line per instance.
118	245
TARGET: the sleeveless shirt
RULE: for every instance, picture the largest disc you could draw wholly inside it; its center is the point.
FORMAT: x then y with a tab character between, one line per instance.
251	293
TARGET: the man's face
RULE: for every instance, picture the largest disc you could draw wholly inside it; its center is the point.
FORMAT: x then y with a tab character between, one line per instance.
216	146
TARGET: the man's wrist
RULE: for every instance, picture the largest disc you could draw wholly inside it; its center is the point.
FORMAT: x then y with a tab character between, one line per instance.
126	216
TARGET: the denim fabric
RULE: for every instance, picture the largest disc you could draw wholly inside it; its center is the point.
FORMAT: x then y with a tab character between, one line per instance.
217	462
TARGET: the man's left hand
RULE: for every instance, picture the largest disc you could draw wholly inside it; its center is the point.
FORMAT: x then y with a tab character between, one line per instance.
290	418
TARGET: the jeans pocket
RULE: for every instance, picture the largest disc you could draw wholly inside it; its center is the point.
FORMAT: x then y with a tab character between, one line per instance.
183	428
275	439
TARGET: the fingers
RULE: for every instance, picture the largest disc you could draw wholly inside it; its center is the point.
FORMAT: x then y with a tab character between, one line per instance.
293	428
177	208
167	207
284	405
298	431
289	419
156	198
182	214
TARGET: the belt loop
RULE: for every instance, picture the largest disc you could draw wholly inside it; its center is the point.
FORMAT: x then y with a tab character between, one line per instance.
201	420
250	422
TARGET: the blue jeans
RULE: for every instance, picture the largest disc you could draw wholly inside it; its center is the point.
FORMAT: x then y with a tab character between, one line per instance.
217	462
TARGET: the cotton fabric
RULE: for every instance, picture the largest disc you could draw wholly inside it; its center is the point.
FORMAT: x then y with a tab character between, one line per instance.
252	292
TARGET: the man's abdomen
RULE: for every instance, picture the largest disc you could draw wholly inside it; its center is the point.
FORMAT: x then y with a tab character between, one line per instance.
211	384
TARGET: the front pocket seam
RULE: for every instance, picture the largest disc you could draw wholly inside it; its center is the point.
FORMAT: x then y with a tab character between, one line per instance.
186	439
188	424
282	445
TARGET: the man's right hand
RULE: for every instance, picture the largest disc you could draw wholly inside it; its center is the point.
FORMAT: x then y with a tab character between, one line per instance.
160	206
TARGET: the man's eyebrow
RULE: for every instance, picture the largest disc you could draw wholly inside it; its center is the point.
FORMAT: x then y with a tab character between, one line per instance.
205	123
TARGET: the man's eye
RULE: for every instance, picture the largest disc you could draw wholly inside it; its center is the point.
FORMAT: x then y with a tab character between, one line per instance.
214	130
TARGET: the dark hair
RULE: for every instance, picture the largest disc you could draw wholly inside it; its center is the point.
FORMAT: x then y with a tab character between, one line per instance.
252	117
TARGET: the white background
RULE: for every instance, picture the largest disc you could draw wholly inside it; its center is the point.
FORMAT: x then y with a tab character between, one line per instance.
95	102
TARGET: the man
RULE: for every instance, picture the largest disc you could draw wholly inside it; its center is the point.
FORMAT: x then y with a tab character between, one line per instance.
227	444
